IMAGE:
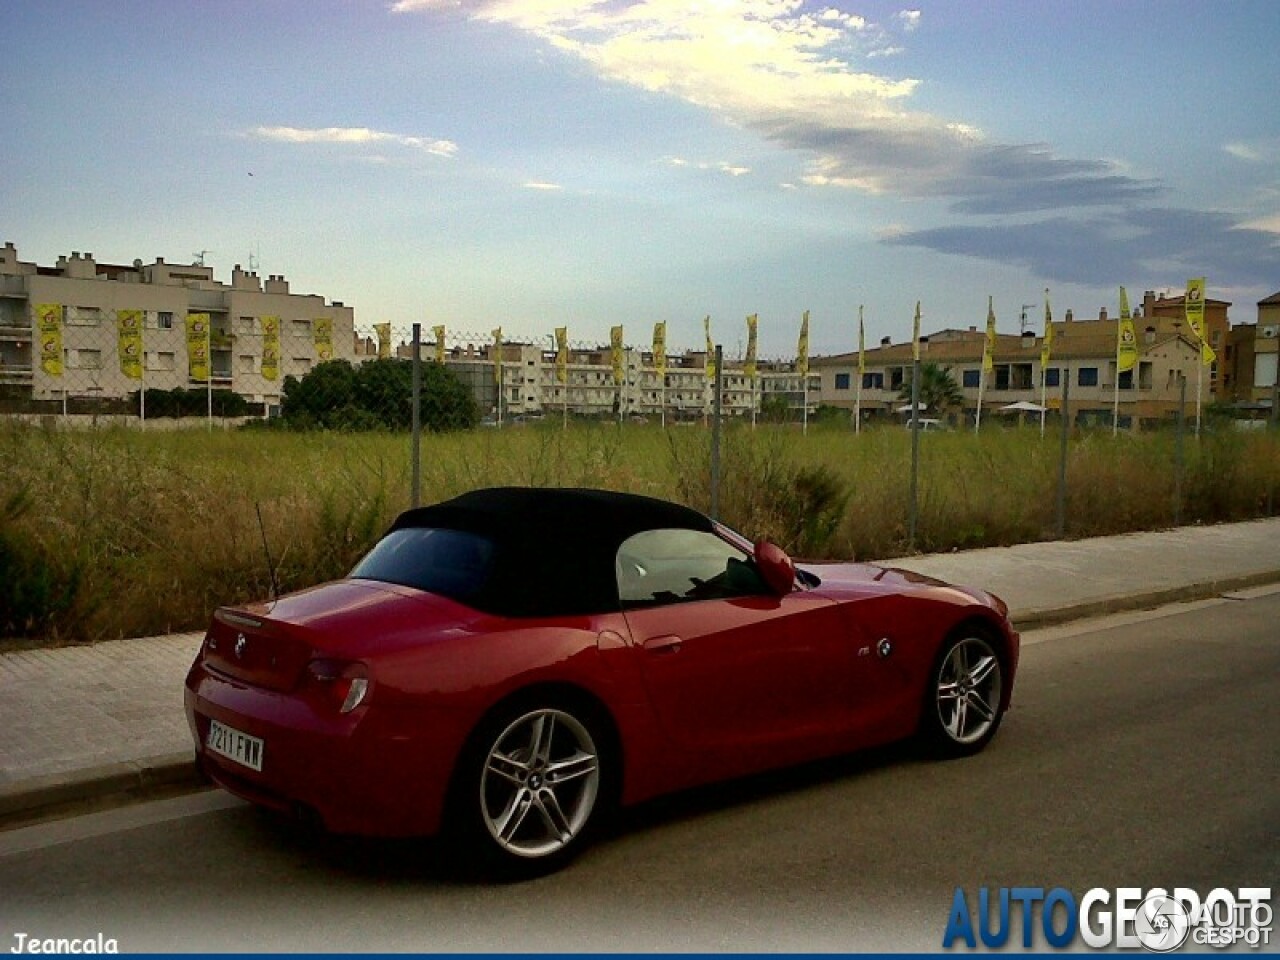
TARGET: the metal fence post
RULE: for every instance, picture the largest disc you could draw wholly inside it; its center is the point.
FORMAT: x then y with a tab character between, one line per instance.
913	511
716	411
416	429
1062	453
1177	451
1274	438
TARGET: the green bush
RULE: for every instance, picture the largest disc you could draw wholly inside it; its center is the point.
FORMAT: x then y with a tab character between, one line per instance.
34	593
377	395
194	402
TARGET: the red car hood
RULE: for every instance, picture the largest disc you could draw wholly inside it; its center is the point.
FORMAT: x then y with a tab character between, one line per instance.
268	644
869	579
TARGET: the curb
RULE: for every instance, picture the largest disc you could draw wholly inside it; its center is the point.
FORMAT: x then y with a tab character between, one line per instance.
112	784
132	781
1201	590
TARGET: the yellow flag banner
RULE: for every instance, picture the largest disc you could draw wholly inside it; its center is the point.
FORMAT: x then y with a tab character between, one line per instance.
562	354
49	322
989	347
660	348
322	335
915	334
383	331
1124	305
438	330
1126	346
129	342
1194	306
615	353
862	346
1207	354
750	365
497	357
271	348
802	346
1046	347
711	349
198	346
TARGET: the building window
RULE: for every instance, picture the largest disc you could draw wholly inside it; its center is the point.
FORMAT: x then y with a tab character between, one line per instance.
163	361
1087	377
842	381
84	317
164	320
302	363
1052	376
873	381
247	363
1126	379
84	359
971	378
1264	369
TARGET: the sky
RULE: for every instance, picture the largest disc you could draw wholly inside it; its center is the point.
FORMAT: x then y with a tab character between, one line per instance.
539	163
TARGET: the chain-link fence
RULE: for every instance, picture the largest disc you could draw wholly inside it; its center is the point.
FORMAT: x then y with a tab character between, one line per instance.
150	366
127	531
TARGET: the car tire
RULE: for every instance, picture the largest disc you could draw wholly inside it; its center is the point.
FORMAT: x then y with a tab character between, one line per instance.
532	789
964	696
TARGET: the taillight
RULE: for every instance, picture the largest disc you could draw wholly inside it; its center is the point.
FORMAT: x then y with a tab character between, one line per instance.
344	684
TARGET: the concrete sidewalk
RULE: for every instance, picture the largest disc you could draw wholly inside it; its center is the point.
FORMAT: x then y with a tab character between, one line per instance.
86	723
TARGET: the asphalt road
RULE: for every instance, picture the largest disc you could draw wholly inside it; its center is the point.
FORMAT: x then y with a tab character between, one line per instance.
1141	751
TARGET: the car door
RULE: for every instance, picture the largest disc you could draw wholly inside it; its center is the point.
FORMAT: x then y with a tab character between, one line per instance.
731	668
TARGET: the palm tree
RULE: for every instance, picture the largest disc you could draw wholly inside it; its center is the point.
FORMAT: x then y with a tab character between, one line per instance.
939	391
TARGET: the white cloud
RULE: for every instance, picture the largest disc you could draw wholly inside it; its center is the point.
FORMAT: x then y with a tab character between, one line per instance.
354	135
791	73
721	166
1242	151
885	52
1269	224
542	185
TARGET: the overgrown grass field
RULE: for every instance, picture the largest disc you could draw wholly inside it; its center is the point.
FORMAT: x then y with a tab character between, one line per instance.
115	532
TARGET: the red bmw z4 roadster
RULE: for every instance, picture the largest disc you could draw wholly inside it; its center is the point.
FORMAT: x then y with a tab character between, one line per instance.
505	668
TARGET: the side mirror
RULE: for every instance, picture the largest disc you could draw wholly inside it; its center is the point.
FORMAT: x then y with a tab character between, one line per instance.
776	567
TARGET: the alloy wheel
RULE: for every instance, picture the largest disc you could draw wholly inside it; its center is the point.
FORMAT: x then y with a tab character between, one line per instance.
969	691
539	783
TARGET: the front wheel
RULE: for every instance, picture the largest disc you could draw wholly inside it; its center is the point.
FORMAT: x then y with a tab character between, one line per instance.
530	791
964	702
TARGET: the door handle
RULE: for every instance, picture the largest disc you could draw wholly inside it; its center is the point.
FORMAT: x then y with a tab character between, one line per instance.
669	643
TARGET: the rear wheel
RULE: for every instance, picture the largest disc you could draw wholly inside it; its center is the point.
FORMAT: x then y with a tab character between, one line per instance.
964	702
531	790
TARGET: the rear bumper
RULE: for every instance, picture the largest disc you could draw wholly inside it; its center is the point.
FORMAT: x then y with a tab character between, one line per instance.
379	772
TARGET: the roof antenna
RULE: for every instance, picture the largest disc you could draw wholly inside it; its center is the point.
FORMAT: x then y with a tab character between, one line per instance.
271	567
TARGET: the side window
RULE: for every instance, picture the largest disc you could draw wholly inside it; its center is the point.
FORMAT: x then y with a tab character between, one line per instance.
675	566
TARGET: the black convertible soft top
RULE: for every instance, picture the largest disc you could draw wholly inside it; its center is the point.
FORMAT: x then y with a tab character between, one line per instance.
554	548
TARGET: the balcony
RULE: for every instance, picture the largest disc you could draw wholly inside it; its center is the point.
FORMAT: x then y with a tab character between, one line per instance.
209	301
9	330
13	286
15	374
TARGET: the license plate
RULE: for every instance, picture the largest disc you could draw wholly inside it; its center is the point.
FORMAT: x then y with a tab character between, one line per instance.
236	746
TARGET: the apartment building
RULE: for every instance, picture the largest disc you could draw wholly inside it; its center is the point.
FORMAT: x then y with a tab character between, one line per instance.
89	297
1252	357
531	385
1083	351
